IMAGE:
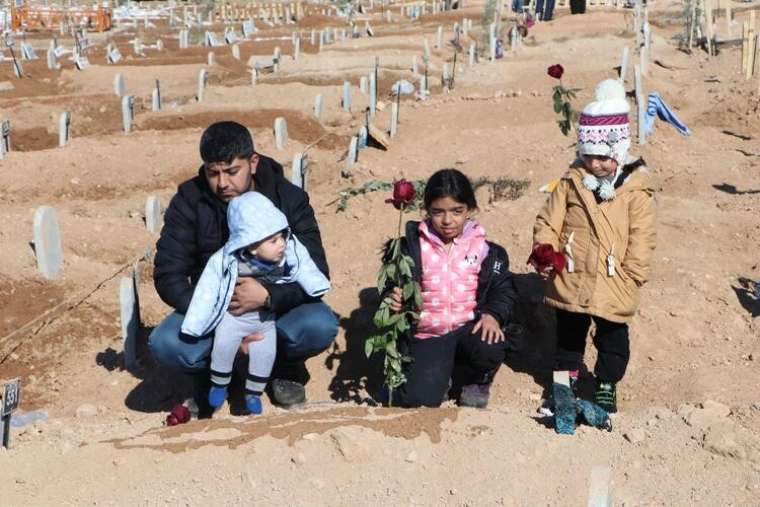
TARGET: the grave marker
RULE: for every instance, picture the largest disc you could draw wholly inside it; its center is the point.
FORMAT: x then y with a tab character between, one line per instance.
129	307
211	59
5	140
297	48
118	84
155	98
353	153
280	133
52	61
373	93
318	106
254	76
81	62
492	42
471	55
641	105
236	52
47	242
299	169
64	128
599	487
426	54
10	401
439	38
202	80
153	218
363	84
394	120
624	64
415	70
28	52
346	102
184	39
127	112
113	55
159	45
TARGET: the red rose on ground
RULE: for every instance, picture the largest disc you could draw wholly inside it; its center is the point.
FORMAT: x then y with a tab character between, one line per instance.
555	71
180	414
403	194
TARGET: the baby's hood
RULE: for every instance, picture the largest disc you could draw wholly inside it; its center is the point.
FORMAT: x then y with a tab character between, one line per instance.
252	217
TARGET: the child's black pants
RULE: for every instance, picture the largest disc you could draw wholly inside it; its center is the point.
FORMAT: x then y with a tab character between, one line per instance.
428	375
610	339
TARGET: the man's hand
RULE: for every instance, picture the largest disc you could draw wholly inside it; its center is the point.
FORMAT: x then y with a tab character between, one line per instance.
396	300
492	332
249	295
255	337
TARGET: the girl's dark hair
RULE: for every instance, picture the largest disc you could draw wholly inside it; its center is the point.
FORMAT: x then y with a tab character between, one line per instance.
450	183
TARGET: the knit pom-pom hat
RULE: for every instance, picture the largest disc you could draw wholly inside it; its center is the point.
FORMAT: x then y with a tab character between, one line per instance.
603	128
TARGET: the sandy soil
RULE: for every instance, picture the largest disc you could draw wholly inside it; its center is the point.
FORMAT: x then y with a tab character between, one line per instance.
688	432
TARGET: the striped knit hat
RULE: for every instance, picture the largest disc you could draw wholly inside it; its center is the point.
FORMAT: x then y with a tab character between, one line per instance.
603	127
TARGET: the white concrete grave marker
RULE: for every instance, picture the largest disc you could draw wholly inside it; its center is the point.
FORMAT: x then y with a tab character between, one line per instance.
599	487
47	242
236	52
346	102
113	55
130	319
372	93
153	218
5	137
81	62
52	61
118	84
28	52
363	84
353	153
202	81
426	55
415	70
318	106
624	64
296	48
159	45
211	59
277	54
64	128
254	76
439	38
155	98
445	76
248	28
492	42
313	39
211	40
641	104
127	112
321	40
280	133
471	55
184	39
299	170
394	119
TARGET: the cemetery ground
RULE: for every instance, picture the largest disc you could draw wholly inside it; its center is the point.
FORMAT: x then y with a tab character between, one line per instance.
688	432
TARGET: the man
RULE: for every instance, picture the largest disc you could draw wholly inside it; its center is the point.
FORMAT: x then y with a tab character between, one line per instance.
195	226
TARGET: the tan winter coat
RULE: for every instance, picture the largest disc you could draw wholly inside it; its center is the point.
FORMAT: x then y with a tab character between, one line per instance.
627	221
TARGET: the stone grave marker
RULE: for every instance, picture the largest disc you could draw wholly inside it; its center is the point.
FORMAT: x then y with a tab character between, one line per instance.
64	128
372	93
81	62
127	112
641	105
280	133
313	39
277	54
353	153
426	54
296	48
248	28
211	59
346	102
318	106
113	55
159	45
154	219
363	84
230	37
52	61
439	38
28	52
471	55
299	169
155	98
492	42
5	136
202	81
129	307
415	69
599	487
394	119
184	39
47	242
118	84
254	76
236	52
210	39
624	64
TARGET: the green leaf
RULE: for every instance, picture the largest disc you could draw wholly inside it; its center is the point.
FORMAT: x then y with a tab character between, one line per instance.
369	346
557	106
408	291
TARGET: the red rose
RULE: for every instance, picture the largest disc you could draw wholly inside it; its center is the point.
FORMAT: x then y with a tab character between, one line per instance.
544	255
403	194
555	71
180	414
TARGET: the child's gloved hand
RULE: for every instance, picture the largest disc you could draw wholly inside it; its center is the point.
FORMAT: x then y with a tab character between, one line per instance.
492	332
397	299
546	261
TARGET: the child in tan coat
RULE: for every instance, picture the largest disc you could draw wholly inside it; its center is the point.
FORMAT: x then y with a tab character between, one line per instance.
593	241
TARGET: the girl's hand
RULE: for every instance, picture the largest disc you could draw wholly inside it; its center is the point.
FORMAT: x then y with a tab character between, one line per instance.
396	300
492	332
547	272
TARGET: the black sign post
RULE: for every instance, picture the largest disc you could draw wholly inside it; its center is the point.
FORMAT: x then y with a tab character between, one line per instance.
11	398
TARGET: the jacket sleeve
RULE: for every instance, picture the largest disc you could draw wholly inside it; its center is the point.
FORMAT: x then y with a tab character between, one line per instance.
548	226
501	297
641	236
176	253
211	298
303	224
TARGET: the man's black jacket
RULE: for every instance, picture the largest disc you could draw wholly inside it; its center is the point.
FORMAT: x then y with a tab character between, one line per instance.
195	226
496	294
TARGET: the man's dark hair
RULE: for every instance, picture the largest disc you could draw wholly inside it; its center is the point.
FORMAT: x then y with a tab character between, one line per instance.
225	141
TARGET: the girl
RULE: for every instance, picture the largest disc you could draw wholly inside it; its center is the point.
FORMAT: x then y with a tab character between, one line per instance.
594	239
261	246
467	298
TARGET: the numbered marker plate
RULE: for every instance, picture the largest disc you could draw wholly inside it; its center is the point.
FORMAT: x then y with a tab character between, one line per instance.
11	397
